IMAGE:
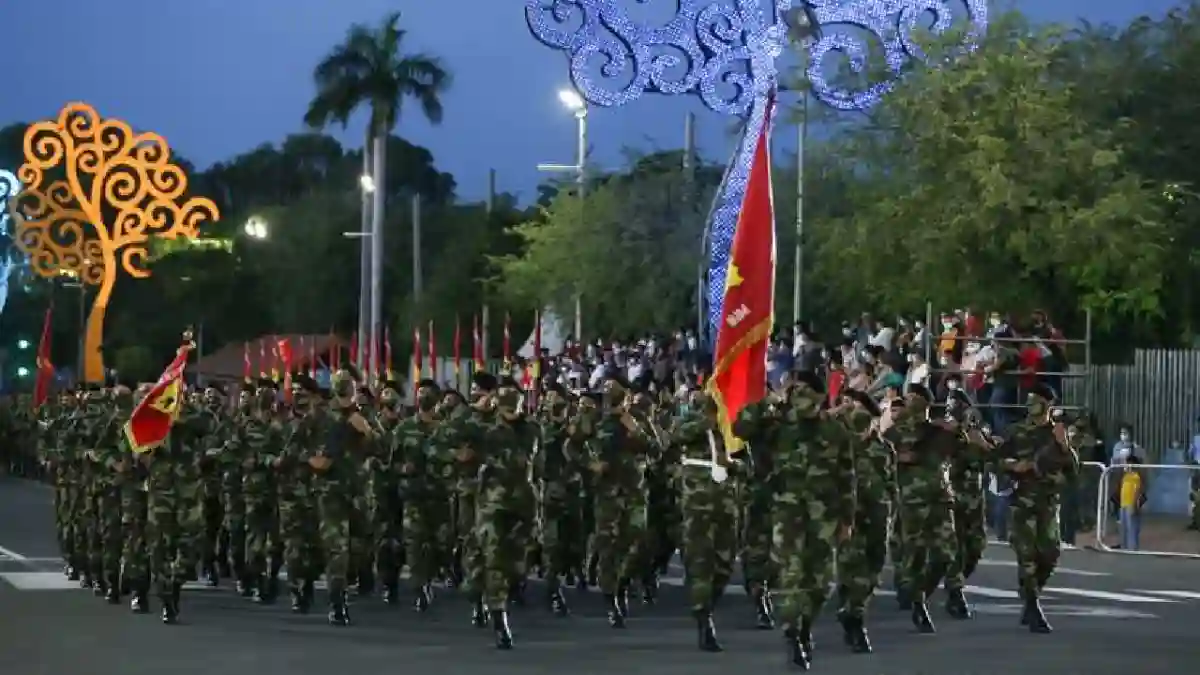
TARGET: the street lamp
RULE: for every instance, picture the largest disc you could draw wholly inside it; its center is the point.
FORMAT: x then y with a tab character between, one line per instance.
366	183
22	344
22	372
803	27
572	101
256	227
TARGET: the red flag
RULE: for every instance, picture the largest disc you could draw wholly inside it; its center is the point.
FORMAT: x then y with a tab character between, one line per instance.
312	357
354	349
457	346
433	364
284	349
151	420
739	376
275	361
507	347
477	348
45	370
262	358
335	352
387	354
247	373
418	364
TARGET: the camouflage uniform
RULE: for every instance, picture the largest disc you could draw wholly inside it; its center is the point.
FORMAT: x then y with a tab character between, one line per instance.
298	512
709	516
813	508
861	558
1037	455
503	503
970	509
420	471
557	471
259	441
758	425
174	503
926	503
385	504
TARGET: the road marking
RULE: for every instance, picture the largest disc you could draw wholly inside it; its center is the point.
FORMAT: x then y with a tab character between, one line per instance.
1059	570
1001	593
1183	595
1083	611
39	581
1106	595
12	555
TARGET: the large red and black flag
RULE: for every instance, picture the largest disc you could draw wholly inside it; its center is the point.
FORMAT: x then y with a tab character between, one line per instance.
152	418
741	276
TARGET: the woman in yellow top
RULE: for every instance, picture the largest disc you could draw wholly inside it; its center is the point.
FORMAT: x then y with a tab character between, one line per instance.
1133	496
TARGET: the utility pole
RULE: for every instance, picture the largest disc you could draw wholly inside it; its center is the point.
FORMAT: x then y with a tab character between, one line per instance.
490	206
366	185
798	273
417	279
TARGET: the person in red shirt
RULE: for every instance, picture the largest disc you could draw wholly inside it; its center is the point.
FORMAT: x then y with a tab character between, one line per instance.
1029	360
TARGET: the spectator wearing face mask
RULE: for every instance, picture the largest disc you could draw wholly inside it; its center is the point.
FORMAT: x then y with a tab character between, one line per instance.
1124	448
1001	375
807	351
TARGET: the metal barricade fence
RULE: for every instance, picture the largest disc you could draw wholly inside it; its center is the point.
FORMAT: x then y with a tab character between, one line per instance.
1167	488
1077	514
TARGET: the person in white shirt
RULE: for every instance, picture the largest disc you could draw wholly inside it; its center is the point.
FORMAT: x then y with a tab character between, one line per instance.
1124	447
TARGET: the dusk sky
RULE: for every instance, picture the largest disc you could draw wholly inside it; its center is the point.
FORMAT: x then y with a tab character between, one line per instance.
218	77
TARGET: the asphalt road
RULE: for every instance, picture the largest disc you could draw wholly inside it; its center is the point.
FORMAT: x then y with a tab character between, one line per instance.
1111	614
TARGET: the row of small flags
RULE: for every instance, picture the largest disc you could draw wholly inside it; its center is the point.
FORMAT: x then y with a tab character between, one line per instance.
277	357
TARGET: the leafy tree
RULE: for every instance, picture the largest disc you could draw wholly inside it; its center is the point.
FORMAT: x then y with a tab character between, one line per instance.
979	182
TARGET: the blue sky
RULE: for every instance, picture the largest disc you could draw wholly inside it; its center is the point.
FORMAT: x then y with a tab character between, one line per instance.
217	77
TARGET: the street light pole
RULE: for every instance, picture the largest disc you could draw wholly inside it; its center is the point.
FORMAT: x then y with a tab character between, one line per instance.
575	103
798	272
367	186
377	210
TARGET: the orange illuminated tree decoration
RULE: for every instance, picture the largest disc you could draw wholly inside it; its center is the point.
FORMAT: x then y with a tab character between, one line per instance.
118	190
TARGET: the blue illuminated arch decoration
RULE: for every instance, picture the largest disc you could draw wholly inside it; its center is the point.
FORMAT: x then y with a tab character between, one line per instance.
726	52
11	259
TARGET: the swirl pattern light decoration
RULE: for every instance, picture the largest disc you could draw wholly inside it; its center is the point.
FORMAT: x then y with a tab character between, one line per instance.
9	187
726	51
119	190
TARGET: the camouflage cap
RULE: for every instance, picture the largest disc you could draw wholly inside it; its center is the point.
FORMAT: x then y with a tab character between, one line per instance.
342	384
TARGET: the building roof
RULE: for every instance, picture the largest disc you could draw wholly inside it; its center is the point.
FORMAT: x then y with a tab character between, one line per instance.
228	362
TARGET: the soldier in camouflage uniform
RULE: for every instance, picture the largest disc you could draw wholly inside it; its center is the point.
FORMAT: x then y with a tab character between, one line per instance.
135	558
258	441
97	484
861	558
617	489
384	491
419	465
506	439
228	464
709	513
1037	455
174	503
970	510
814	509
558	466
758	425
362	529
210	472
114	465
926	503
299	516
337	462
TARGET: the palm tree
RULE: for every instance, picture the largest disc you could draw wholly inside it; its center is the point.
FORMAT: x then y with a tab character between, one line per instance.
370	68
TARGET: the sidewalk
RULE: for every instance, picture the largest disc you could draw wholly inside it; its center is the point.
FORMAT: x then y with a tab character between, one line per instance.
1159	533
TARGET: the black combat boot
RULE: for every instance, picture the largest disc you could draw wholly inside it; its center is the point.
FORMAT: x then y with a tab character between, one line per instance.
339	613
921	618
762	610
558	603
99	585
212	578
478	614
806	638
956	604
500	628
797	653
113	595
140	604
706	631
854	632
246	585
1035	617
615	618
366	583
904	599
